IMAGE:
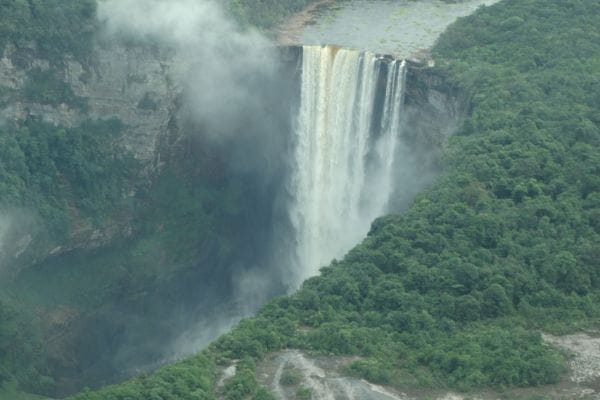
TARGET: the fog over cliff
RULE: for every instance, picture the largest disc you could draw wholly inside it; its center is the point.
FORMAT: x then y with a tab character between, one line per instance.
223	57
237	101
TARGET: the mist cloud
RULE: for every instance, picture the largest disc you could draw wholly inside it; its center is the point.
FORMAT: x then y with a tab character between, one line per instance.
226	64
237	94
4	228
18	229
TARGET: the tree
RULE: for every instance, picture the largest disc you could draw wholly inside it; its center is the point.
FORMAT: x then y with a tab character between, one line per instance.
495	302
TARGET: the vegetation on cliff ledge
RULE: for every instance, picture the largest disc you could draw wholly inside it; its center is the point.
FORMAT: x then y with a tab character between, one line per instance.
52	28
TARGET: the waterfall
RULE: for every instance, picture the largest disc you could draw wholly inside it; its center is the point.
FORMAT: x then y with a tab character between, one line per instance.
345	144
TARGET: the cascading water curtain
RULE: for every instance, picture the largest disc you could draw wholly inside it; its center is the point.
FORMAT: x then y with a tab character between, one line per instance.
343	163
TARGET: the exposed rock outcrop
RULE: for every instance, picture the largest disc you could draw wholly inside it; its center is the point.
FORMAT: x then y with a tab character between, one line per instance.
138	85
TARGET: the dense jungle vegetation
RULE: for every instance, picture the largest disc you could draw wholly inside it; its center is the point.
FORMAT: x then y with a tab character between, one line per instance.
55	27
451	294
455	293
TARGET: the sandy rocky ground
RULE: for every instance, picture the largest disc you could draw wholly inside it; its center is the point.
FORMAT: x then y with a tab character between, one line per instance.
583	352
322	377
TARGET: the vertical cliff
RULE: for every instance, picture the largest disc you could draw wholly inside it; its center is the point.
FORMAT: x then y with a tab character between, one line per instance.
134	86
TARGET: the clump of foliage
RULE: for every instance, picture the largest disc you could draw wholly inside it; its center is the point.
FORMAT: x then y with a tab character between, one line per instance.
46	87
21	354
192	379
290	377
55	27
303	394
243	385
49	169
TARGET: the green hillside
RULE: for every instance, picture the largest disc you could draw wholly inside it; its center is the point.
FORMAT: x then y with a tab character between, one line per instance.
455	292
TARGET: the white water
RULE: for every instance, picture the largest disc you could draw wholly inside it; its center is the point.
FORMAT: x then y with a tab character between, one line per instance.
343	168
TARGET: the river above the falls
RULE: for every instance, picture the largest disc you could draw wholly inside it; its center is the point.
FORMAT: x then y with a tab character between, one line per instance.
403	28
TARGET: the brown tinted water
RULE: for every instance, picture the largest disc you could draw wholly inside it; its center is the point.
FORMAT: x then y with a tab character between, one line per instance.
399	27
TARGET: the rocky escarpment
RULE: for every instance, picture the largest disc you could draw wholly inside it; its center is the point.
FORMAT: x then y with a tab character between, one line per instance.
433	111
138	85
434	107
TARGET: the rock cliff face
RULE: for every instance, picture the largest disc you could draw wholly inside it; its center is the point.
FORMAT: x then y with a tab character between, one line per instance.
433	112
141	86
137	85
435	107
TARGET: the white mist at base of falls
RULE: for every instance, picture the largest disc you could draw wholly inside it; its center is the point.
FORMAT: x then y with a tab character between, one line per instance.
345	147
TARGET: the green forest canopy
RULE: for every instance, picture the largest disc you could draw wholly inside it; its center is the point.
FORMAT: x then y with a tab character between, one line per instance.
454	293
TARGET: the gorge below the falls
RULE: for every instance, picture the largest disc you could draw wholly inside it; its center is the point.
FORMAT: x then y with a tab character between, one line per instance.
338	138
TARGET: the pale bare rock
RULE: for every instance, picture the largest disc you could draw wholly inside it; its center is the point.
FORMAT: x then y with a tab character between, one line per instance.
320	376
325	378
453	396
227	374
585	364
